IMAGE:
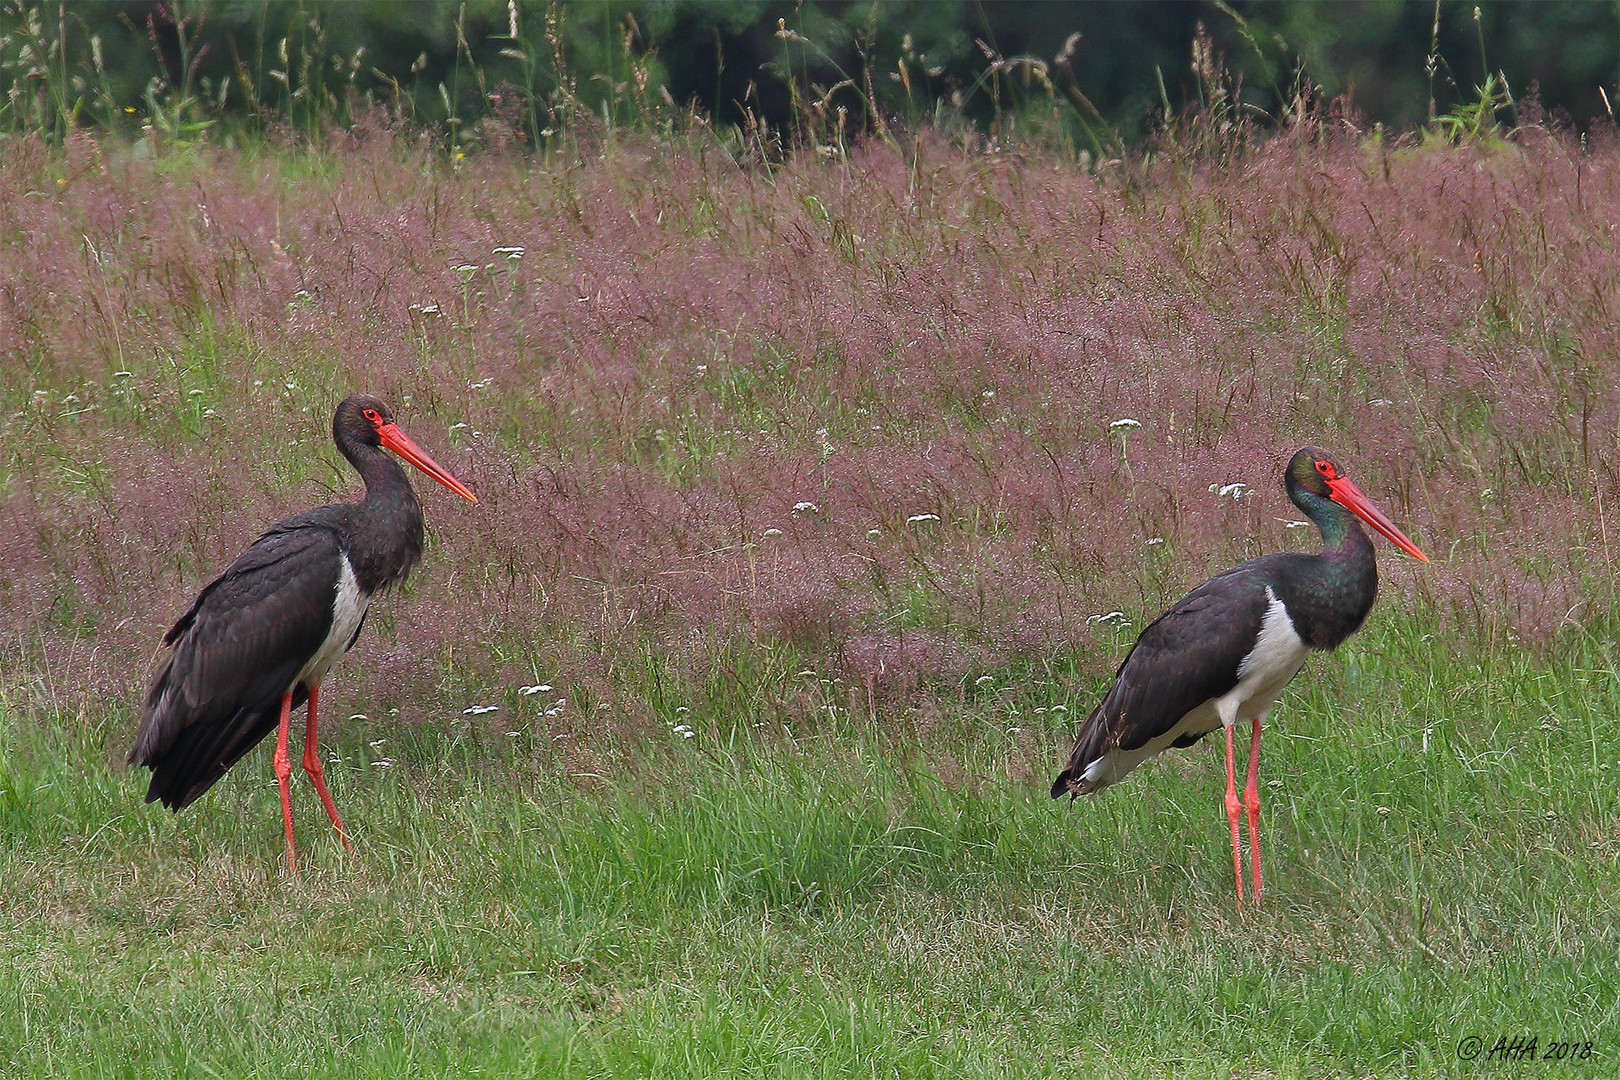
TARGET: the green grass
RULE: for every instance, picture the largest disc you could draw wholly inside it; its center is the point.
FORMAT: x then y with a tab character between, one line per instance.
838	902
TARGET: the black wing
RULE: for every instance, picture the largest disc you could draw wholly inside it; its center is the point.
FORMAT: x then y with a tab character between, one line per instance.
1186	656
236	651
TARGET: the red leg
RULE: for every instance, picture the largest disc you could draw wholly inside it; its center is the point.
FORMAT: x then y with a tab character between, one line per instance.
312	765
1233	810
1251	798
283	768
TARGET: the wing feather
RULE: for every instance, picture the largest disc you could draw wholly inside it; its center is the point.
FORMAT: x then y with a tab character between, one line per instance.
1183	658
235	652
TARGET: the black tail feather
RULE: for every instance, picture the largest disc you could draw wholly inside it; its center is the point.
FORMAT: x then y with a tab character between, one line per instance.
1089	745
206	746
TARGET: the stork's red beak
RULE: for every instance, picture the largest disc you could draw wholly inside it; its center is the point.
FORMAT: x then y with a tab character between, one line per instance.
1347	494
400	443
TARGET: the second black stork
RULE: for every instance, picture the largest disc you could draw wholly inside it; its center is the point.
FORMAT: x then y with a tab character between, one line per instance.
1224	653
261	636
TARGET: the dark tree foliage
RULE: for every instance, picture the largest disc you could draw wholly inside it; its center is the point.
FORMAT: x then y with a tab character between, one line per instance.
741	61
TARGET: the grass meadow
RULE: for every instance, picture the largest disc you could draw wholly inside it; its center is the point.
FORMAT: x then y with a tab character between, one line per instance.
715	741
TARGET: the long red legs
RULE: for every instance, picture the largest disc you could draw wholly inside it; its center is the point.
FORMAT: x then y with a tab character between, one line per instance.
312	765
283	767
1233	810
1251	798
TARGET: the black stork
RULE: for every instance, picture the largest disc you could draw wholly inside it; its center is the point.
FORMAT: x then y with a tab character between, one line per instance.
1225	652
261	636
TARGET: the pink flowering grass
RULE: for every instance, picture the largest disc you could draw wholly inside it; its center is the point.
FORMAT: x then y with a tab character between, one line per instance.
731	425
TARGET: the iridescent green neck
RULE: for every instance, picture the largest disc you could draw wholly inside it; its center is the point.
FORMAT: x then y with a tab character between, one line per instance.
1328	595
1340	533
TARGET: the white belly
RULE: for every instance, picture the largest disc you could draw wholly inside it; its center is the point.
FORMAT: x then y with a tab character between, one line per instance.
348	609
1278	654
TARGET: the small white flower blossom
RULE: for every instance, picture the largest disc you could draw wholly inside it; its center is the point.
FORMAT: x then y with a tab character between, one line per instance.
1124	423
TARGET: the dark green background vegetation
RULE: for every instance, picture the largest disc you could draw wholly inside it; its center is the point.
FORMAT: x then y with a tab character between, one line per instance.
761	61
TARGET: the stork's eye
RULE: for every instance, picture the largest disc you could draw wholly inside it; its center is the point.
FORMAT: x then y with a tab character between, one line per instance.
1326	469
376	418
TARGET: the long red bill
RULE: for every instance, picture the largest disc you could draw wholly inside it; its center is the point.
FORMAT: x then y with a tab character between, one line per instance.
1347	494
400	443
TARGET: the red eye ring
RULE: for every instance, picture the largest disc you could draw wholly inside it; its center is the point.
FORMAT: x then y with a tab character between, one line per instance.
1326	469
373	415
